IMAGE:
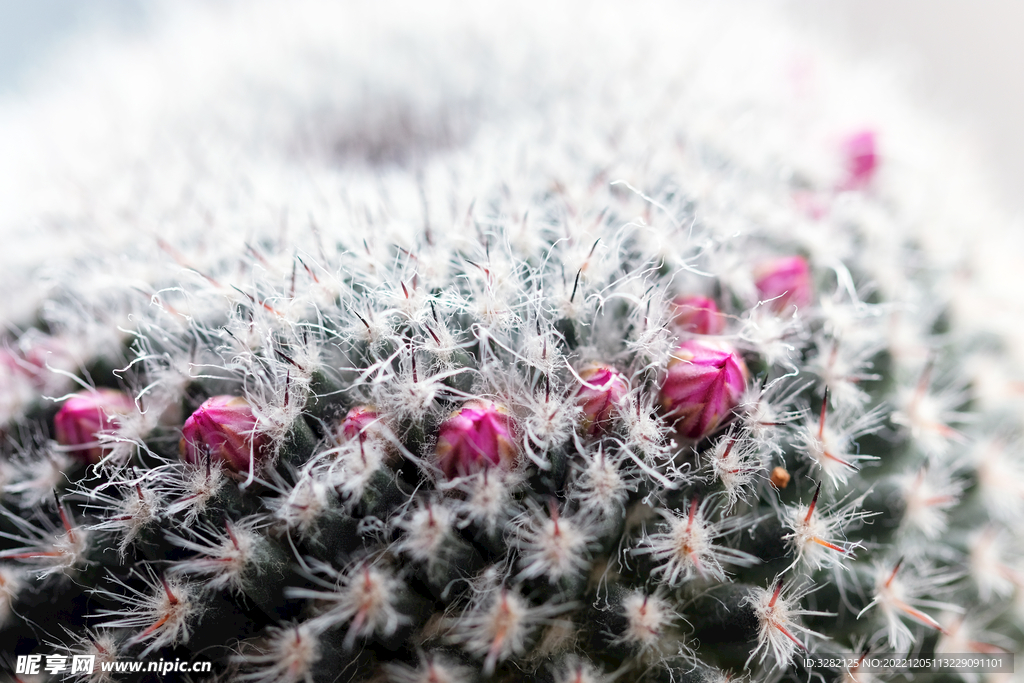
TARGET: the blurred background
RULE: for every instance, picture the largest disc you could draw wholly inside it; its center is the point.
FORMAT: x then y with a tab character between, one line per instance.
963	60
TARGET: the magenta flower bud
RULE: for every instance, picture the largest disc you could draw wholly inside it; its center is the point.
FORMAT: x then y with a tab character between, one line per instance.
602	390
359	422
704	384
785	282
861	159
697	315
224	429
83	417
477	436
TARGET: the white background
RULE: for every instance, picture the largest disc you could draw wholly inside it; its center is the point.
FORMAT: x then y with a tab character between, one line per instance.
961	58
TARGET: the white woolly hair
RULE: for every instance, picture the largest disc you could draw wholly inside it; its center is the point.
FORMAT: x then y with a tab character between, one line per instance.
649	619
432	668
104	644
299	507
47	548
829	441
500	622
12	581
487	498
364	595
139	507
602	483
898	597
234	557
780	633
686	547
162	613
551	544
817	531
578	670
287	654
191	488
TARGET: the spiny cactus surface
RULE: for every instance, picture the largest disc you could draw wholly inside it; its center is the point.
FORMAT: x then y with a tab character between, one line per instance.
395	352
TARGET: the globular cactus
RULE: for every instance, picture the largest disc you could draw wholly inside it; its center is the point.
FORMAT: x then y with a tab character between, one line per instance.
419	358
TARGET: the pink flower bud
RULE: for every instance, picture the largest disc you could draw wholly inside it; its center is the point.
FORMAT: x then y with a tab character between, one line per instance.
477	436
861	154
85	416
602	389
785	282
696	315
223	428
703	386
360	422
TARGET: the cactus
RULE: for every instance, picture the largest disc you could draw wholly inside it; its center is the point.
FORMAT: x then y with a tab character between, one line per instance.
640	398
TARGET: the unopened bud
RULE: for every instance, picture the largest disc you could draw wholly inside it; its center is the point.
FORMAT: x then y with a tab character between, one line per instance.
223	428
785	282
476	437
360	422
696	315
602	391
704	384
861	151
84	417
